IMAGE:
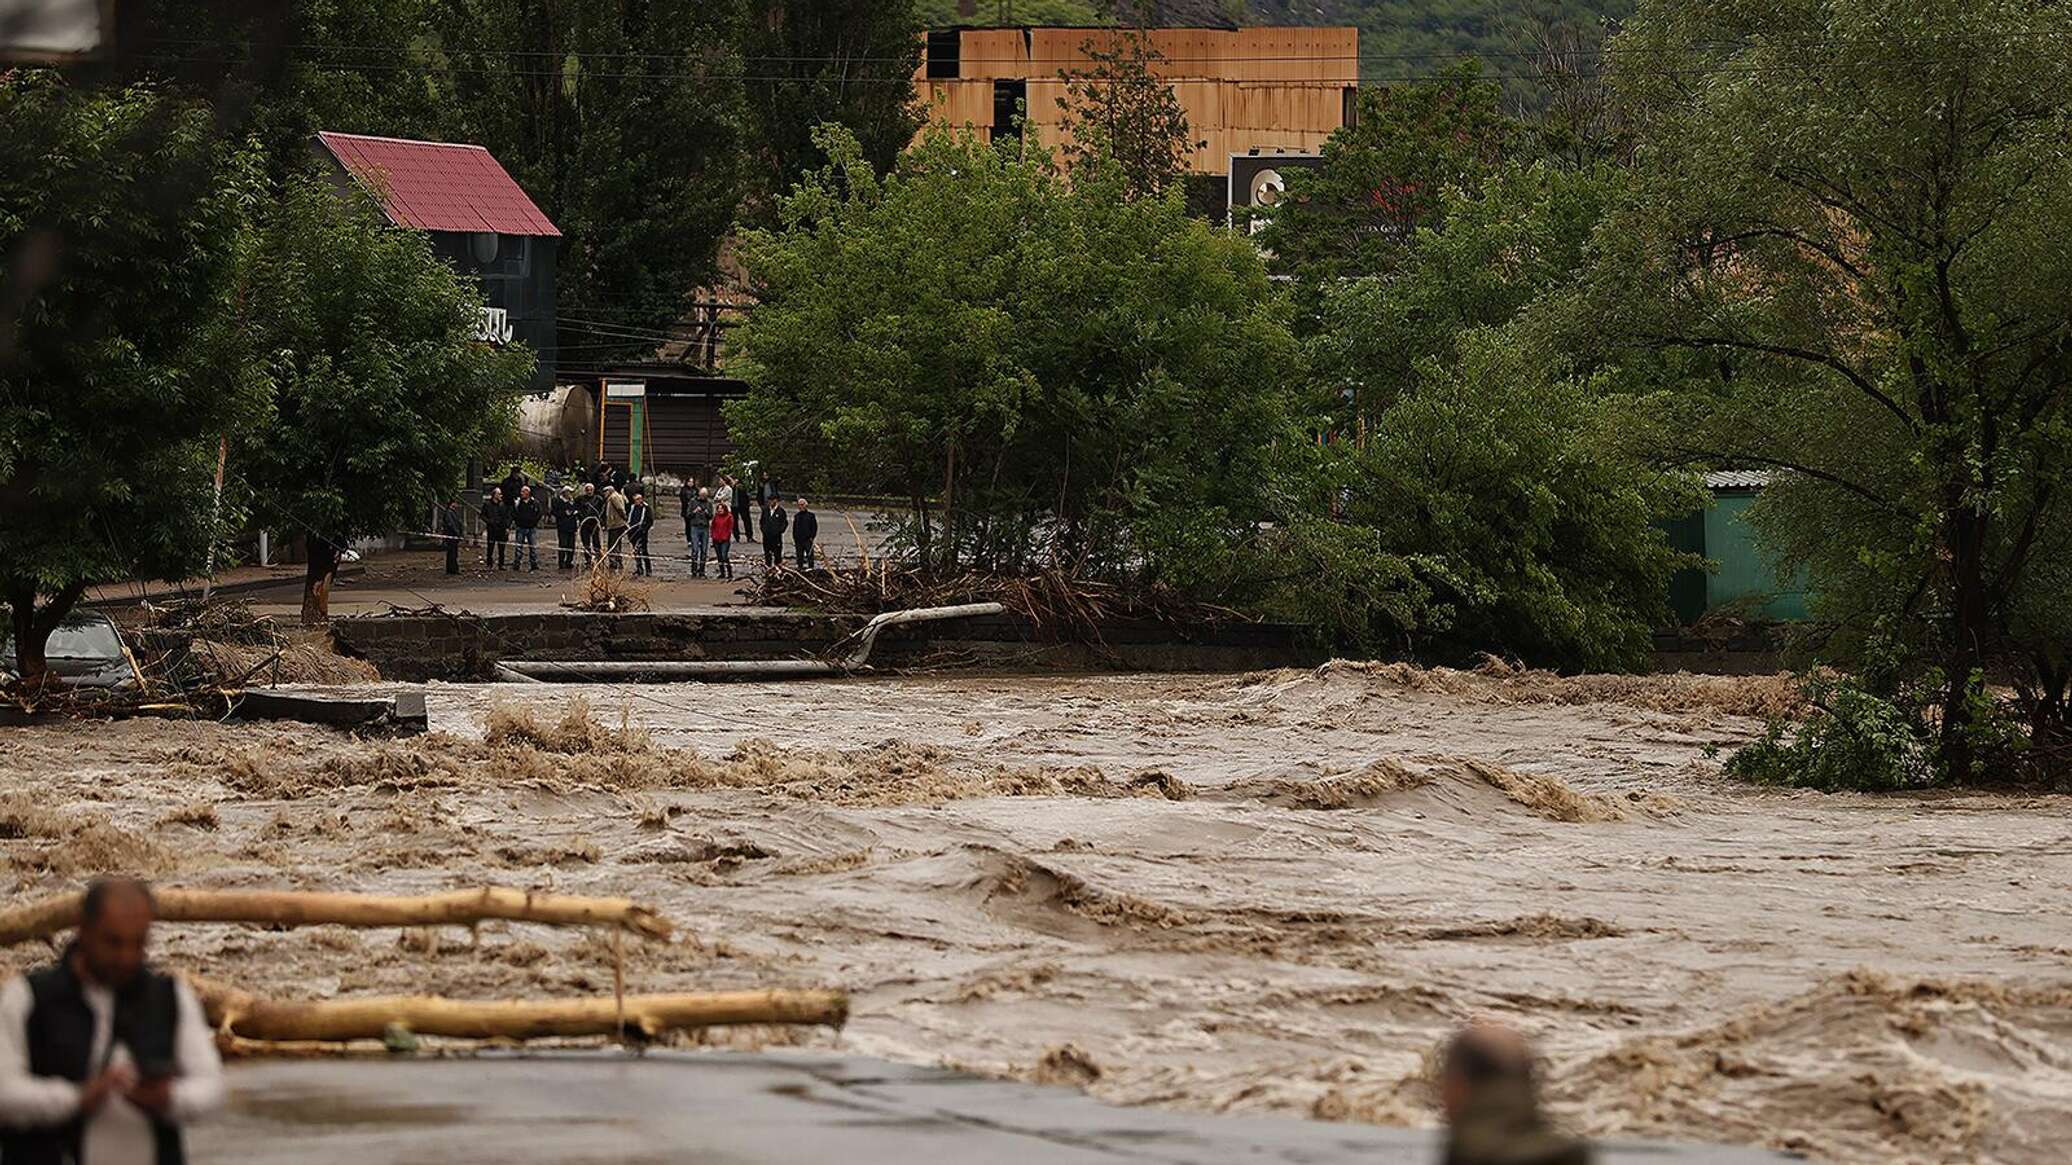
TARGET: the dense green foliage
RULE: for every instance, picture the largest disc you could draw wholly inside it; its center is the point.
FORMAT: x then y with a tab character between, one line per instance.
644	128
1387	176
122	221
381	394
1052	372
1855	272
809	62
1477	464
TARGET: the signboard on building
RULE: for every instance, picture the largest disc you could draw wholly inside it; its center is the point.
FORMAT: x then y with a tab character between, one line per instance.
1260	179
495	327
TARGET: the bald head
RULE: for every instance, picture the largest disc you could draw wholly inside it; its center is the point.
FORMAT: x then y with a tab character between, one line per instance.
114	929
1482	1059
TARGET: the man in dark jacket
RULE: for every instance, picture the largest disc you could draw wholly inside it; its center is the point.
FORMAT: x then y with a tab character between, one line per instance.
496	522
640	518
773	536
590	519
525	516
744	502
452	528
102	1058
697	528
512	482
563	510
805	527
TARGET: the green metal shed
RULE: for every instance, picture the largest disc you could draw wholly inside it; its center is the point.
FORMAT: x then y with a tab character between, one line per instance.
1745	578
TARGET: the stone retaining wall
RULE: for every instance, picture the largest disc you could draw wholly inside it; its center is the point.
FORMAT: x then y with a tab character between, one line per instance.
455	647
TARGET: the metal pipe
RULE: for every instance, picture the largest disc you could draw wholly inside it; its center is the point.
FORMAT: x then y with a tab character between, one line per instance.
536	671
868	637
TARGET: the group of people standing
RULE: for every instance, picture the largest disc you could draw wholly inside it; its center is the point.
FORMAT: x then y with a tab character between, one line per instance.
714	516
608	518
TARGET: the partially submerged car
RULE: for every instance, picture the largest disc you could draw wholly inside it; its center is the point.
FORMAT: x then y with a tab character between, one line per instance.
85	651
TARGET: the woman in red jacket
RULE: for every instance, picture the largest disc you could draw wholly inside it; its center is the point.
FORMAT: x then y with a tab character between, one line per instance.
722	539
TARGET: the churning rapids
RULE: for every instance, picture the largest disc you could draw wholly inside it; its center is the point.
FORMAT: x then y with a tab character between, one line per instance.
1265	893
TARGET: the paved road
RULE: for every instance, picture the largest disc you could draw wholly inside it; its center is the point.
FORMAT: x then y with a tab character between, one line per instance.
565	1109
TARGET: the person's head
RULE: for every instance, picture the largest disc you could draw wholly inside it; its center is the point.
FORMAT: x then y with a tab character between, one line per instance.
496	493
637	494
800	504
589	487
115	929
704	491
525	491
1484	1060
454	504
567	492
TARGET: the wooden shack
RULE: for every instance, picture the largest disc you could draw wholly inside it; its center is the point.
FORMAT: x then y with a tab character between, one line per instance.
659	417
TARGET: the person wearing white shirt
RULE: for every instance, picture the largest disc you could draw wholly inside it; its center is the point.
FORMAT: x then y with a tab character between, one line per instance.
103	1058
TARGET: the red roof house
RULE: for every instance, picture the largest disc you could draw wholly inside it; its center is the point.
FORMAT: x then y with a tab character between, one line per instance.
478	218
438	186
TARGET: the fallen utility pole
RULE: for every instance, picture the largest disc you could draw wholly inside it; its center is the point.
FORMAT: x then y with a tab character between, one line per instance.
245	1016
50	916
539	671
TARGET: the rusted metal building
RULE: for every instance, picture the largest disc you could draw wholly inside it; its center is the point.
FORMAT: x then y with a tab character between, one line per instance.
1245	90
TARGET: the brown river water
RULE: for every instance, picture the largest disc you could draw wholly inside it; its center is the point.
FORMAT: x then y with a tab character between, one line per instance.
1272	893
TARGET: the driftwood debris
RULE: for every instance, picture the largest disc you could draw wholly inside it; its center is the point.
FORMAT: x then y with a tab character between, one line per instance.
50	916
246	1017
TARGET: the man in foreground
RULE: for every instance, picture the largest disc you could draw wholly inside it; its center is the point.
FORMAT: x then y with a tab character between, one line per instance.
1491	1098
102	1058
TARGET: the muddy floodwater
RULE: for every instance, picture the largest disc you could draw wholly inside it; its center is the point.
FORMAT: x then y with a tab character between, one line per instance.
1266	894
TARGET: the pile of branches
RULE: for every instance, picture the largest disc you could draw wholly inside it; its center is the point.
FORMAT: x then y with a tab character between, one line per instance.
1059	605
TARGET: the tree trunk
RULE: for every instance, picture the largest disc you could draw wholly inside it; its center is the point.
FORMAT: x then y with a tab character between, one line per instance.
243	1015
30	662
287	908
316	584
32	627
1966	542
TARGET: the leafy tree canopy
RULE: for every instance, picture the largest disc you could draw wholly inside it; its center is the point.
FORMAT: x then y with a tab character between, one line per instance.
121	367
381	392
1387	175
1846	238
1076	375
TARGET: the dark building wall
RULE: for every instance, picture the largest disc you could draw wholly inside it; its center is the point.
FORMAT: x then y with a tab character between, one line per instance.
521	280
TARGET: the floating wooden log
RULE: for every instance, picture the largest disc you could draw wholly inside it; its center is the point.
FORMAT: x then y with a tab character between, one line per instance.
50	916
246	1017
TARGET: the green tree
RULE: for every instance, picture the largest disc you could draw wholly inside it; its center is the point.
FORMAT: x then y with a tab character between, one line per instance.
1116	108
1506	516
808	62
1050	372
1386	176
1854	219
121	217
624	119
1498	249
382	392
